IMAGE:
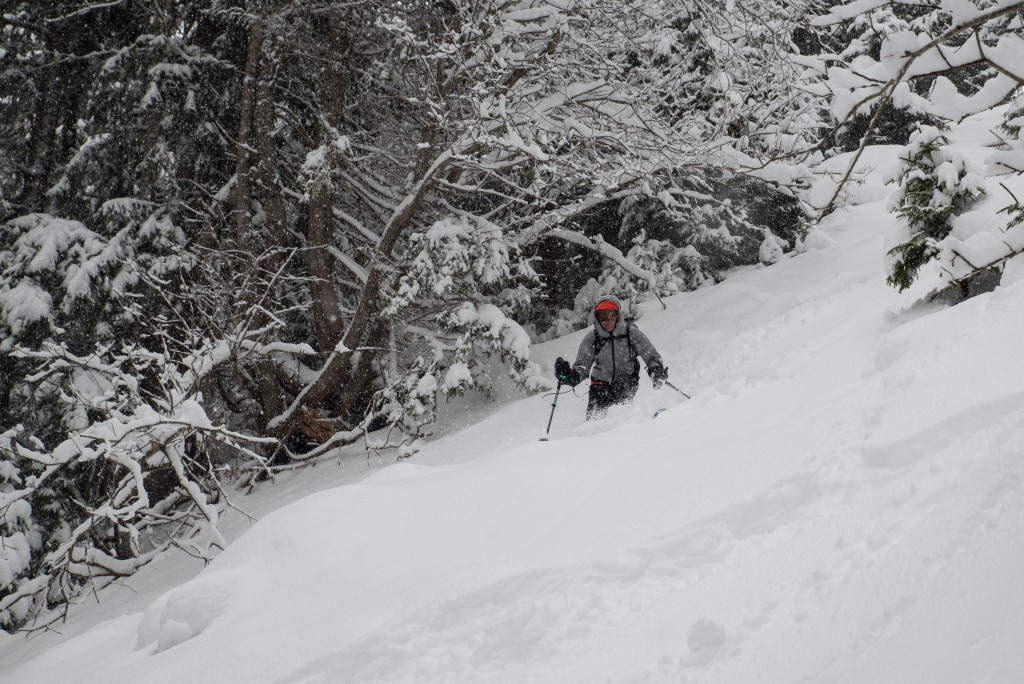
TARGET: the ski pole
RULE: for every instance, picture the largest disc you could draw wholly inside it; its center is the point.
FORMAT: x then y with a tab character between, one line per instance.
677	389
554	403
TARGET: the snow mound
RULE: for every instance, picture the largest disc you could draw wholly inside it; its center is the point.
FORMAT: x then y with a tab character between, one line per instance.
816	238
185	612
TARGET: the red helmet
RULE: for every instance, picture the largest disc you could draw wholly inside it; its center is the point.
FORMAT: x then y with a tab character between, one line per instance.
606	305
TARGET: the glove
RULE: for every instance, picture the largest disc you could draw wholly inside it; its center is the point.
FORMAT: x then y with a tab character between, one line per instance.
658	373
565	373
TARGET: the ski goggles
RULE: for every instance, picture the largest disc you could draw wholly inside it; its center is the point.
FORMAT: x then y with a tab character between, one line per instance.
605	315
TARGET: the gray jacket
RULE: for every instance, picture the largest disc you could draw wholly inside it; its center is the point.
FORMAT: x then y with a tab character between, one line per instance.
613	355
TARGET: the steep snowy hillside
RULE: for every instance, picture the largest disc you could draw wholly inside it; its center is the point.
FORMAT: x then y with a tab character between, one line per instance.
842	500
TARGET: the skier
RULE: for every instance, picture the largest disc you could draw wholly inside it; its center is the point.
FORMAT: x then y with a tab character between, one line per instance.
609	354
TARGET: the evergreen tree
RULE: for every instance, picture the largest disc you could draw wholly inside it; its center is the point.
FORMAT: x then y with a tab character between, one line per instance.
93	288
933	185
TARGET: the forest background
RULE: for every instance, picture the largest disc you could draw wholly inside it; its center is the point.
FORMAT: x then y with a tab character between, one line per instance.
239	235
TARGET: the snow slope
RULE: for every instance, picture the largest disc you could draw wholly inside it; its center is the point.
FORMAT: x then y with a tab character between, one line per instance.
841	501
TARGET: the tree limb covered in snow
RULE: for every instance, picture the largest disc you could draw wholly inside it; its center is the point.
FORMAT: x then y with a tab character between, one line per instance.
882	89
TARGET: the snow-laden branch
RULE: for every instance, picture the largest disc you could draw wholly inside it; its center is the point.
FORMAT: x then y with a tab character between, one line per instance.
908	56
606	250
84	10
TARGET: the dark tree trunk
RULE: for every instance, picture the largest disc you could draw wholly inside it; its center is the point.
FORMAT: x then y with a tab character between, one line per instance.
326	304
258	190
39	163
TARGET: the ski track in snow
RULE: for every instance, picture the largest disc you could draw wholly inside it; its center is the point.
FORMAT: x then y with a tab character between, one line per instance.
841	501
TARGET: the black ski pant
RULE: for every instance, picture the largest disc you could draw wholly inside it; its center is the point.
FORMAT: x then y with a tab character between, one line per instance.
606	394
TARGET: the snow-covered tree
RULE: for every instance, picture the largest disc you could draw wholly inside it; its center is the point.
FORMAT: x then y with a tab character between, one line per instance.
977	252
937	62
933	184
101	503
937	48
96	259
504	114
723	81
860	38
725	78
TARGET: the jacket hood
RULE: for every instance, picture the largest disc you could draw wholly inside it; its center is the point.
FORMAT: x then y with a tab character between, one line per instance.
618	305
609	298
